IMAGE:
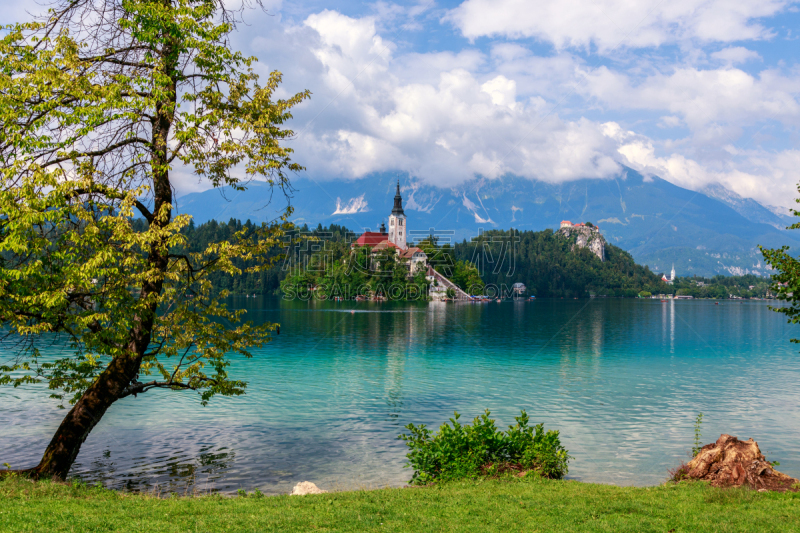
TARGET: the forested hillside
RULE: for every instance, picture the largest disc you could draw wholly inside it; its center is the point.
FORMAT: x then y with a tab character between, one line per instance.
298	248
549	265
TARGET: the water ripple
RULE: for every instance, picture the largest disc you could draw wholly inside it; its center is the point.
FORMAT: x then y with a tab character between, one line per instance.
622	380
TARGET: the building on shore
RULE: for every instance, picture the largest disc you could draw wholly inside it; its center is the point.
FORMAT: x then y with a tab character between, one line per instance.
671	279
415	258
518	290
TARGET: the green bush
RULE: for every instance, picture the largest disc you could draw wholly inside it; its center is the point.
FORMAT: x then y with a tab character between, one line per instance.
464	451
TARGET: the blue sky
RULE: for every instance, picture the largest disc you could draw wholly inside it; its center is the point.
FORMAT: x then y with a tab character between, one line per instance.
694	91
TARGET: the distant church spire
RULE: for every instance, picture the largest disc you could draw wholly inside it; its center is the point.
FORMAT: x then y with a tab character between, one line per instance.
398	202
397	222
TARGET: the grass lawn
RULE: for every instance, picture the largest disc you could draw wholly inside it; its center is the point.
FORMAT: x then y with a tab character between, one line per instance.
466	506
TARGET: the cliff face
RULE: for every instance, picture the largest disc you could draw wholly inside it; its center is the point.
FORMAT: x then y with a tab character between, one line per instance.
586	237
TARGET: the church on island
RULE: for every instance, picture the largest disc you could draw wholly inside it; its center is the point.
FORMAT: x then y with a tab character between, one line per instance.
395	239
671	279
416	260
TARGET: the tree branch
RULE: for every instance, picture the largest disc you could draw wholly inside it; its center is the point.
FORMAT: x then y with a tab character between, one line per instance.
96	153
110	193
140	388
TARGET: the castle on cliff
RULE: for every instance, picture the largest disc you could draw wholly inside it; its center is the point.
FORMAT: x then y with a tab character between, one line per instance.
587	236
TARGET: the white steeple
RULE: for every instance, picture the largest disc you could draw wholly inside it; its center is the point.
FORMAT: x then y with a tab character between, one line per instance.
397	222
672	274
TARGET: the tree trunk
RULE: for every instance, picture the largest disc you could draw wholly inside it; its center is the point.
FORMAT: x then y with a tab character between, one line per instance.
121	371
84	415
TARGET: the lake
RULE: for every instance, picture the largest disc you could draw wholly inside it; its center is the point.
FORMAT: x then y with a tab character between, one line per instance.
623	380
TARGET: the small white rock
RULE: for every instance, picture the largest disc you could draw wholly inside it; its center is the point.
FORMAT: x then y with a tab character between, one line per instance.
306	487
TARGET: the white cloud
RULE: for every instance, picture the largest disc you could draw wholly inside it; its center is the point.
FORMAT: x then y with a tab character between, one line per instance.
502	91
443	129
702	97
351	49
404	16
608	24
449	132
446	116
766	177
669	122
735	54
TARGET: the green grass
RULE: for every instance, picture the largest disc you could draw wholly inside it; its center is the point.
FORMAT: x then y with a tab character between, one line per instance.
465	506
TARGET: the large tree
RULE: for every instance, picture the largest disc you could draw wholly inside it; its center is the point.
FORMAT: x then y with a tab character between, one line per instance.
786	279
99	102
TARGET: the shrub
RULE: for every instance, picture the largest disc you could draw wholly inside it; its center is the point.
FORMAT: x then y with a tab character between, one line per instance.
462	451
678	473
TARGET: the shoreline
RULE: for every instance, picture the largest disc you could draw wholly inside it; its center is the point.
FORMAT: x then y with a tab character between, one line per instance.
480	505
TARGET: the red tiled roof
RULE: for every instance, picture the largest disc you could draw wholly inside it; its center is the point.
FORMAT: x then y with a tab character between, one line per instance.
370	238
409	252
566	222
384	244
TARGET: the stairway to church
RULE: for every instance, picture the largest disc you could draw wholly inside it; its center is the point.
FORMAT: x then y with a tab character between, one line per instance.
460	294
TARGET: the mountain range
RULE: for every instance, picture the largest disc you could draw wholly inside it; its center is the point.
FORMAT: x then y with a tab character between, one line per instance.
713	231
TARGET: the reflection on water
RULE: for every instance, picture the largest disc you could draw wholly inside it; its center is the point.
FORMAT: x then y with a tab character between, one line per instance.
622	380
165	473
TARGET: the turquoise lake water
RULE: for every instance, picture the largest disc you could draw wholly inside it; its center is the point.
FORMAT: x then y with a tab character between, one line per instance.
621	379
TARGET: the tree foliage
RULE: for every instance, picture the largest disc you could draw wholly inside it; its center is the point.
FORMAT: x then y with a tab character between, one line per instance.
100	101
786	283
721	287
339	271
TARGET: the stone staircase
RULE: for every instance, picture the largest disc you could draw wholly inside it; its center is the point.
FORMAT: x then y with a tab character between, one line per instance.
443	281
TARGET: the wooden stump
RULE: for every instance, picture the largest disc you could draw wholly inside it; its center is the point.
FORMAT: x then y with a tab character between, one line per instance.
732	462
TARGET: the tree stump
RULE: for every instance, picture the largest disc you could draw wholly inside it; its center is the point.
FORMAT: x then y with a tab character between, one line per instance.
732	462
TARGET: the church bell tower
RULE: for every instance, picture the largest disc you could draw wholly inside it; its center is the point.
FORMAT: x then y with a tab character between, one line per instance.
397	221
